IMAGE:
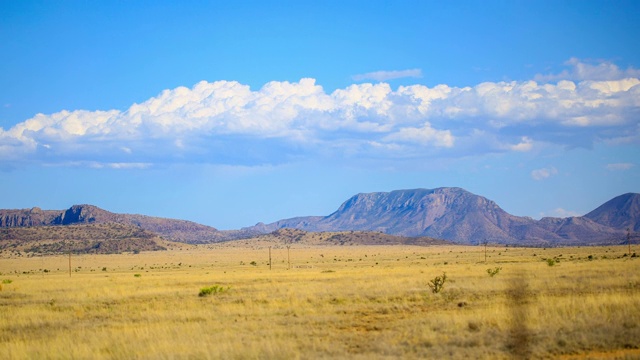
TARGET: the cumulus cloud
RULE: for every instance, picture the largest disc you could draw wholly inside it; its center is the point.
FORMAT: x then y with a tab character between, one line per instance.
388	75
544	173
619	166
226	122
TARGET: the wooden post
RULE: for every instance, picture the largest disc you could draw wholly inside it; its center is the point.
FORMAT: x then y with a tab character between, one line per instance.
288	258
69	263
269	257
629	240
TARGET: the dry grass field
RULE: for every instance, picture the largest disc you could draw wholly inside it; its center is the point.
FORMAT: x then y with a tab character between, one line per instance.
360	302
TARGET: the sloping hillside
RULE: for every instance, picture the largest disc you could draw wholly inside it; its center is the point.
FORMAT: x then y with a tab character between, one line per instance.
621	212
106	238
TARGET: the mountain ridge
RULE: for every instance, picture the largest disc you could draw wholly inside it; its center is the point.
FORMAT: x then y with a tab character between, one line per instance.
170	229
455	214
447	213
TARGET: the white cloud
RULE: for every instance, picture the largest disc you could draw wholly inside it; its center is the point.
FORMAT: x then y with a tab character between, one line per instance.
389	75
526	144
425	135
226	122
544	173
562	213
596	71
619	166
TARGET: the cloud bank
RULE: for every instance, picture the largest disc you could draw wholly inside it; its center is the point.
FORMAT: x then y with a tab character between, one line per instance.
226	122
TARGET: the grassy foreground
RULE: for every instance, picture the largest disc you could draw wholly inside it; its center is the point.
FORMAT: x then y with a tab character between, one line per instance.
361	302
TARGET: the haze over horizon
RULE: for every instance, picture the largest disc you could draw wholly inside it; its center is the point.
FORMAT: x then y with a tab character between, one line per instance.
233	113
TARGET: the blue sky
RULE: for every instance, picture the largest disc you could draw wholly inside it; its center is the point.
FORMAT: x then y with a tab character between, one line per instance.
233	112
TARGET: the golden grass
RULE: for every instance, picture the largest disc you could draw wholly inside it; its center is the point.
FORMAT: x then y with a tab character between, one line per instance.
359	302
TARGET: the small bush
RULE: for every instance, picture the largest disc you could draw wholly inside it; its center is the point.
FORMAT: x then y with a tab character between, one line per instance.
253	263
493	272
551	262
137	275
7	281
437	283
215	289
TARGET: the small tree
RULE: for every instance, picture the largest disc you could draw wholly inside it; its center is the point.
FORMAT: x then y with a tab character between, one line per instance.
437	283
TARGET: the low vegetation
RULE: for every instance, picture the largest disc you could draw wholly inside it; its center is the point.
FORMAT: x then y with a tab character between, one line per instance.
437	283
495	271
212	290
105	238
361	302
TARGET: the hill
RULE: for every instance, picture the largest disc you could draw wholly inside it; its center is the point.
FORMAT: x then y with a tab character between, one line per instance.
170	229
288	236
106	238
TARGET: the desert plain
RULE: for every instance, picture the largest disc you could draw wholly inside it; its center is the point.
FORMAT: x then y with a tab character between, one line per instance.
230	301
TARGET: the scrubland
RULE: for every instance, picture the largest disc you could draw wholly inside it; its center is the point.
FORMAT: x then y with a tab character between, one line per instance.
360	302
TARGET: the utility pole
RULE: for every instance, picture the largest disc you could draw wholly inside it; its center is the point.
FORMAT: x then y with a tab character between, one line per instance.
485	251
288	257
269	257
69	263
629	240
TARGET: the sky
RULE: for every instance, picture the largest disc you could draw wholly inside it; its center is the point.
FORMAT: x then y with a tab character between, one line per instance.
230	113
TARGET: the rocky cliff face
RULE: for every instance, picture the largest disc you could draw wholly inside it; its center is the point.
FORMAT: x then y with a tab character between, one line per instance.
458	215
26	217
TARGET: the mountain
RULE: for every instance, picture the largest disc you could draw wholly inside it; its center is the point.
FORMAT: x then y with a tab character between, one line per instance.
452	214
621	212
170	229
460	216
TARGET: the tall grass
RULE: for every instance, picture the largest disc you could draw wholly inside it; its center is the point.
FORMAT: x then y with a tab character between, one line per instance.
335	302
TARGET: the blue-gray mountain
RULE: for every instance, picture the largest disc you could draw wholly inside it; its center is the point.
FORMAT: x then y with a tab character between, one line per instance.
445	213
460	216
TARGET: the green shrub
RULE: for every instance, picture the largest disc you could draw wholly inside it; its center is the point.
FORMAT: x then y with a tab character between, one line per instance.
215	289
493	272
551	262
7	281
137	275
437	283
